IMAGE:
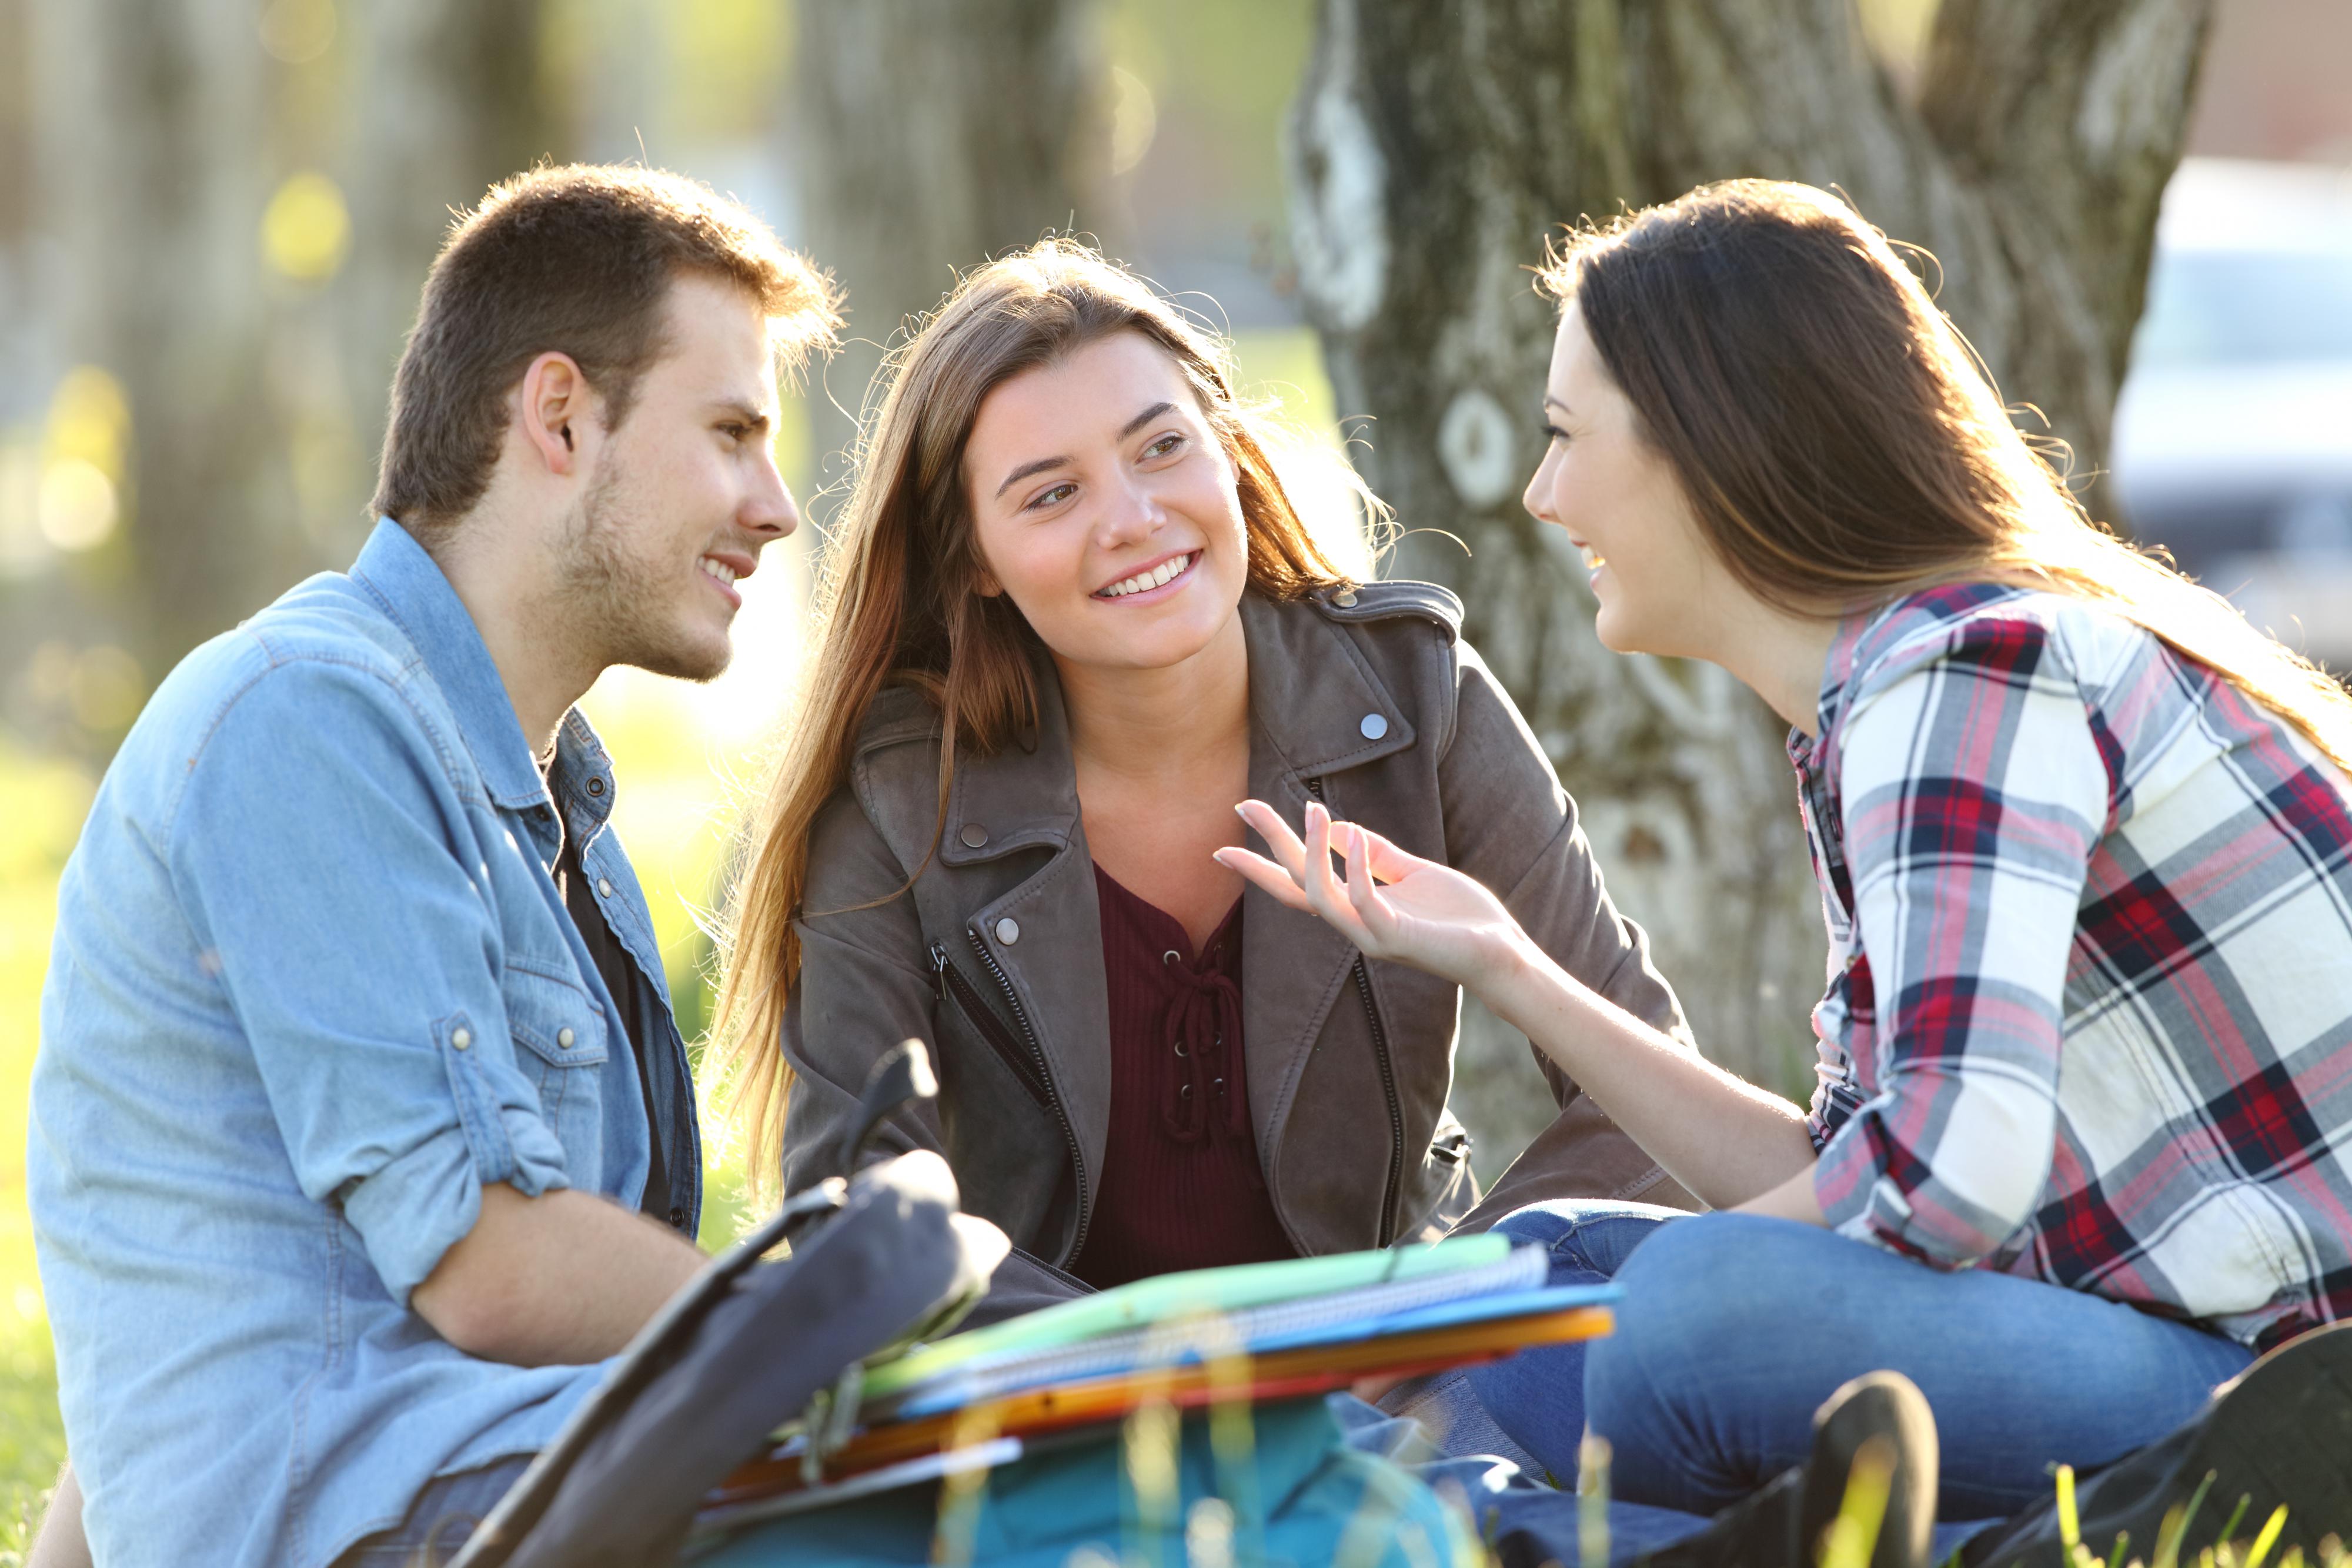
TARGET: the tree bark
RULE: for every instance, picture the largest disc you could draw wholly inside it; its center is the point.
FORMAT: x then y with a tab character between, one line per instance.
1431	150
934	134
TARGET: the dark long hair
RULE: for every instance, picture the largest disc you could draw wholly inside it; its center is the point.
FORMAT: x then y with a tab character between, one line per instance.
898	598
1840	445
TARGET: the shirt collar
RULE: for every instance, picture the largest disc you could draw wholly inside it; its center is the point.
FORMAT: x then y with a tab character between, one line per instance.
1311	698
1837	681
410	585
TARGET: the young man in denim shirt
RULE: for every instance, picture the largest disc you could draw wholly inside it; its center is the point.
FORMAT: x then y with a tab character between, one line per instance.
356	1052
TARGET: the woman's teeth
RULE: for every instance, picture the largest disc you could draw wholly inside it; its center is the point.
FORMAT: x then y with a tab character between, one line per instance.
718	568
1166	571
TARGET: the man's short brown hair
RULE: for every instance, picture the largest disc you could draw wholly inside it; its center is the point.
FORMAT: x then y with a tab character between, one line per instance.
577	260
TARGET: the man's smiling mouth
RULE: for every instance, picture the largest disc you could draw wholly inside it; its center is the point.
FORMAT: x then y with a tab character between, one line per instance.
1167	572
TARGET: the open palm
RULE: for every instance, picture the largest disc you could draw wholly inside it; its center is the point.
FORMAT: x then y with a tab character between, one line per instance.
1392	905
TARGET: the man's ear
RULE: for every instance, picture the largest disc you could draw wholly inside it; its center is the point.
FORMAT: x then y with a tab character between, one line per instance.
554	407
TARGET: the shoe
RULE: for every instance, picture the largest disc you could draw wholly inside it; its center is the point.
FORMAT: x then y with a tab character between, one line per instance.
2278	1435
1785	1525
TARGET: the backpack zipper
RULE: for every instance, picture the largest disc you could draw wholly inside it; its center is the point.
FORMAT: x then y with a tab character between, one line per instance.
1390	1192
1028	1066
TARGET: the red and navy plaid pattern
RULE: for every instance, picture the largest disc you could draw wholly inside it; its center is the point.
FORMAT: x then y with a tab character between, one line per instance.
2089	1017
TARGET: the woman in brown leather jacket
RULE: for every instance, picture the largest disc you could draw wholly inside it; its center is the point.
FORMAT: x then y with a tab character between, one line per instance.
1070	619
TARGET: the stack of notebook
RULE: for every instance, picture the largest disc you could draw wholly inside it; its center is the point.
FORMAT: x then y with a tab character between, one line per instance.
1258	1333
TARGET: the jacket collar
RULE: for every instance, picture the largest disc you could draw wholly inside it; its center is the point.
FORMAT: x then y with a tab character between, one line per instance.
410	586
1313	701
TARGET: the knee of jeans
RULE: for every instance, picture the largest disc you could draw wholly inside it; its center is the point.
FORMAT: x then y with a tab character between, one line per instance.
1562	1226
1706	1288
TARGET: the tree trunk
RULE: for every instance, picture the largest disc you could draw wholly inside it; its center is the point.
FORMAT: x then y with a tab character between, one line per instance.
1433	147
165	127
934	134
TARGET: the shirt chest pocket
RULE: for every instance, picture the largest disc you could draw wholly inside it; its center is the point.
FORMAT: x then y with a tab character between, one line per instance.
560	1045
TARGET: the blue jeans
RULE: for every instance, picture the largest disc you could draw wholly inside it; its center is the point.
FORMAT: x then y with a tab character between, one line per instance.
1735	1328
439	1521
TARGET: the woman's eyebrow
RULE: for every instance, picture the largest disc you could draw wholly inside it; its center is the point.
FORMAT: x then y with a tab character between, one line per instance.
1039	466
1146	417
1551	402
1028	469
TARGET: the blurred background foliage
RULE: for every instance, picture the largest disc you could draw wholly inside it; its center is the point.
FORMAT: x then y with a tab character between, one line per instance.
214	218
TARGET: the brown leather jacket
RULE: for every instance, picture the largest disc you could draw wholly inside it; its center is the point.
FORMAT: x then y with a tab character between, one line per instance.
1366	698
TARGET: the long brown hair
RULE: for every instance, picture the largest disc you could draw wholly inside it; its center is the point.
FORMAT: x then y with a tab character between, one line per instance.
898	602
1840	445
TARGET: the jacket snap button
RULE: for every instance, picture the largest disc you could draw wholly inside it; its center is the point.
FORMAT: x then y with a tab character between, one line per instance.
1345	599
604	886
461	1040
973	836
1374	727
564	1037
595	786
1008	931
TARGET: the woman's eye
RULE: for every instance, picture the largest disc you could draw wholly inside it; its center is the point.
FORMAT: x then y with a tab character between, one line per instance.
1054	497
1554	432
1164	445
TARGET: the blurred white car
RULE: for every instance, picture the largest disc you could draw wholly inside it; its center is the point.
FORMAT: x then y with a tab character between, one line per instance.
2232	441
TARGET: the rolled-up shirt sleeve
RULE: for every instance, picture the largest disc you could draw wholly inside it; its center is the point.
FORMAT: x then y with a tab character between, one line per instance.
338	885
1974	793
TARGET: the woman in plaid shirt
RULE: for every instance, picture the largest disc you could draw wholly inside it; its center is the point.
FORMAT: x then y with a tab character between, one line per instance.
2082	1144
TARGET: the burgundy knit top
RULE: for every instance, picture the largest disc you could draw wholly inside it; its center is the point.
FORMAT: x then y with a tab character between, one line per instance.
1181	1183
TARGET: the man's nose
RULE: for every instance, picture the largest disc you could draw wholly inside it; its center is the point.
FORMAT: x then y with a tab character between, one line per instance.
771	514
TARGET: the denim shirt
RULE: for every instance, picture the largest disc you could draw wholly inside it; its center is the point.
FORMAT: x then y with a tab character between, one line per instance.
313	987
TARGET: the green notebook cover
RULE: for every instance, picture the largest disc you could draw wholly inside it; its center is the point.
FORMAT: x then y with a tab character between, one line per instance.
1153	1301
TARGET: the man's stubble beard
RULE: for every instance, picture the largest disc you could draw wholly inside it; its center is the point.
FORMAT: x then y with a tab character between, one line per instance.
614	601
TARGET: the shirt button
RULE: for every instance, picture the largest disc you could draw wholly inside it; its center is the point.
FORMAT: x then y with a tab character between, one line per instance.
973	836
677	1217
1345	599
1373	725
461	1040
595	786
564	1037
604	886
1008	931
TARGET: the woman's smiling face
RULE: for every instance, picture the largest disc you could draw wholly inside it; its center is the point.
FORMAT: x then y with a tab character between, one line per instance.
1104	506
1618	501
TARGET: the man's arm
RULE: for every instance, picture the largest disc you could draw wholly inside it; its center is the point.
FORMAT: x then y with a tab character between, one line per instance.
557	1279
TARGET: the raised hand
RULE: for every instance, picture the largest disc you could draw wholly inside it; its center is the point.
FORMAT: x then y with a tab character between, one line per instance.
1392	905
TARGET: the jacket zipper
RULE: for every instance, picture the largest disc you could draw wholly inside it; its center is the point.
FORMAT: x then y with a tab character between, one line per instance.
1038	1078
949	980
1389	1194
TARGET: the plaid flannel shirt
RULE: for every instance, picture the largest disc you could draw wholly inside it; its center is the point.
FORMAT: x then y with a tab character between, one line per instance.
2089	1017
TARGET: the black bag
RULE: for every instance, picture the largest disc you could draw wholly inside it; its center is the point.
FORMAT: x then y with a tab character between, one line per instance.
744	1347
